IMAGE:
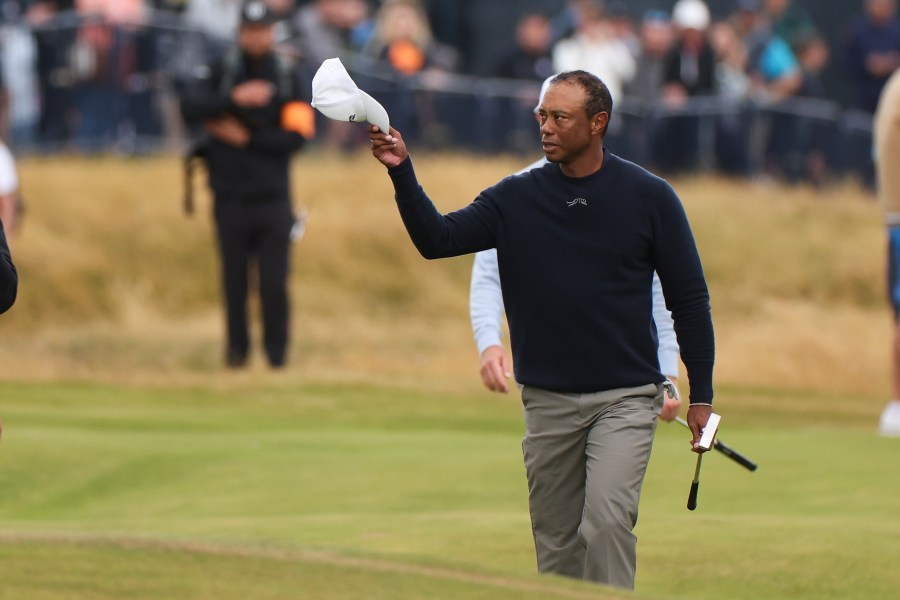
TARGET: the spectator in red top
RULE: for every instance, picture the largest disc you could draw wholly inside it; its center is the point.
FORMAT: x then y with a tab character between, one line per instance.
403	44
403	39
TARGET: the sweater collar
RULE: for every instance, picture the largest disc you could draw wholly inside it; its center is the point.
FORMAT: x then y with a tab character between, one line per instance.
608	165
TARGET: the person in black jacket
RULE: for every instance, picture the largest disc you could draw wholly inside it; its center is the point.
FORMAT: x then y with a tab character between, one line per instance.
248	107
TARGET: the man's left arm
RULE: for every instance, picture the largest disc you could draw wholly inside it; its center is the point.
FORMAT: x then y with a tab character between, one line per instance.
677	262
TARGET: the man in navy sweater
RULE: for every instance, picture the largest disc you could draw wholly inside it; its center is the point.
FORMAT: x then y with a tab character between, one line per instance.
577	242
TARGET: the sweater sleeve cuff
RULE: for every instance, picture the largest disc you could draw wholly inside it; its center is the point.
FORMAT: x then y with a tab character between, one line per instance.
406	186
700	378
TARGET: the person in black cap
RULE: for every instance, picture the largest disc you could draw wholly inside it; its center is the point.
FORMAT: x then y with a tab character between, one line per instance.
247	103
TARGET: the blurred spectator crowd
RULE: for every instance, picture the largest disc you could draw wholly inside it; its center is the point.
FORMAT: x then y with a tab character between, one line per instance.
741	91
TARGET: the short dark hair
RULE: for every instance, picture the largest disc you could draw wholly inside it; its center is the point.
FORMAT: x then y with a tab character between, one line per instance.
598	98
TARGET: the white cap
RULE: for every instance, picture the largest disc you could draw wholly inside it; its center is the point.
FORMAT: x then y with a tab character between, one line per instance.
691	14
337	97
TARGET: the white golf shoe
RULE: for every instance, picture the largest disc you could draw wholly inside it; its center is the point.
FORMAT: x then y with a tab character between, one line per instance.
889	425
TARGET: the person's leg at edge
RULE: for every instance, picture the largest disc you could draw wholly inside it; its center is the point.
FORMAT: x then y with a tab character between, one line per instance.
618	451
553	448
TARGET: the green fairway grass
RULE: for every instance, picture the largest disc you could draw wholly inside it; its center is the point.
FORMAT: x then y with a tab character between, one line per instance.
342	491
99	569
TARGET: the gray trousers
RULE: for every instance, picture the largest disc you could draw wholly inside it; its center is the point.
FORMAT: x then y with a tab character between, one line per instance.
585	456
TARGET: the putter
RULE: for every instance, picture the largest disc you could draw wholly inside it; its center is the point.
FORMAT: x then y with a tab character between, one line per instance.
705	442
727	451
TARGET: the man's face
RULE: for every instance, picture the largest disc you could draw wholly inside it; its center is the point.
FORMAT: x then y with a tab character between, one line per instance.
566	131
256	40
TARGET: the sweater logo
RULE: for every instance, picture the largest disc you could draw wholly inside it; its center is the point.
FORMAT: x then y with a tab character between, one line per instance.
352	118
576	201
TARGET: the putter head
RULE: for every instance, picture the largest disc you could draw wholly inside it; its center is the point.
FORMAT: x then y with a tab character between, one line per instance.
708	436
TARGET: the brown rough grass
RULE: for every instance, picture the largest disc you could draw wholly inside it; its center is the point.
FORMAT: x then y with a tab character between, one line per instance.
117	285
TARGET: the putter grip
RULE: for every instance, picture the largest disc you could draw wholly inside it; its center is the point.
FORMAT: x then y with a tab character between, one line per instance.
692	497
735	456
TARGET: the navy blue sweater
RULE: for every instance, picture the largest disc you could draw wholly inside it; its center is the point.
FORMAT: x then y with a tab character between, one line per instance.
576	259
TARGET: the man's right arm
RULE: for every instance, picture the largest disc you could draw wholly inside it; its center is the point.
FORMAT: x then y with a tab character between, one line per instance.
435	235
